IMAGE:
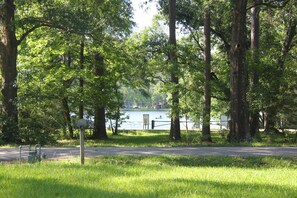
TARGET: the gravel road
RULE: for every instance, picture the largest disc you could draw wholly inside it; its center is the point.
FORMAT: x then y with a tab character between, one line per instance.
11	154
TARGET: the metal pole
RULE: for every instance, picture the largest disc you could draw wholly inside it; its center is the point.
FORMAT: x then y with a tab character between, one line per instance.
82	148
20	154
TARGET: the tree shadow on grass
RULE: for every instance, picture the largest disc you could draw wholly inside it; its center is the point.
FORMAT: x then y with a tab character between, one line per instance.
173	187
30	187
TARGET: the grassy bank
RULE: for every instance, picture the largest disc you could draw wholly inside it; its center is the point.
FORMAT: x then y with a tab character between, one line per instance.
193	138
161	176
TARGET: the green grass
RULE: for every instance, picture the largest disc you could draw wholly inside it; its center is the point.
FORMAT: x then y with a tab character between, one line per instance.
193	138
163	176
144	138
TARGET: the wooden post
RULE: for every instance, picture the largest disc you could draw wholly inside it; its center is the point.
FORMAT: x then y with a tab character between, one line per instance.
153	124
82	147
82	124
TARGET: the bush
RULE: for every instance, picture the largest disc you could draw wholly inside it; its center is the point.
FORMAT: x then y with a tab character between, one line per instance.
38	128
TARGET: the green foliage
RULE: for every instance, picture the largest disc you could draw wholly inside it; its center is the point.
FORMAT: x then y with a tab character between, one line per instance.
136	67
38	125
50	61
275	90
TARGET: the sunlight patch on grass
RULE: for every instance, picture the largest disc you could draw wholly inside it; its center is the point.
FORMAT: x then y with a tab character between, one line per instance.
192	138
158	176
149	138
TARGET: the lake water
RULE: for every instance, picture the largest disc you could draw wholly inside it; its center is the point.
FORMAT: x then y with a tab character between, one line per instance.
135	120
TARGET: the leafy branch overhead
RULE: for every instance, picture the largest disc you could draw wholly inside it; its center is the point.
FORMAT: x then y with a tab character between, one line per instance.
66	60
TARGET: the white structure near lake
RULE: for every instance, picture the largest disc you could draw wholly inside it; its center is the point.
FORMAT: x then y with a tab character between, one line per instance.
142	119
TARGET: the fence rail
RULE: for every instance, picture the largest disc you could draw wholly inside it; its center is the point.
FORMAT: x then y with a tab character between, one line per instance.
217	123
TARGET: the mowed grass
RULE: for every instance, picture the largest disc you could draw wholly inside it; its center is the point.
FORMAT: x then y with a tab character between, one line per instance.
192	138
149	138
159	176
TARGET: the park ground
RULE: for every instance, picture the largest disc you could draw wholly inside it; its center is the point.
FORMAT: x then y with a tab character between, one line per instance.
154	176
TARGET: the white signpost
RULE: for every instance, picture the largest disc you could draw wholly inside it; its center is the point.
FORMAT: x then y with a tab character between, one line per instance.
82	124
146	121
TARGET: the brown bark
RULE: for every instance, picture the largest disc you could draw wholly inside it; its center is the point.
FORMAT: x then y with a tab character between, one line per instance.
175	122
99	122
239	126
207	75
8	58
271	120
254	80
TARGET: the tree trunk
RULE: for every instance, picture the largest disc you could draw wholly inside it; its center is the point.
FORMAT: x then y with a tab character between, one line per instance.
254	81
67	116
8	58
99	123
239	126
175	124
207	69
271	120
81	80
118	113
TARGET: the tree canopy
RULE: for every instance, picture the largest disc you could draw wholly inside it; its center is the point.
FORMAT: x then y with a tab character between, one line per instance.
65	60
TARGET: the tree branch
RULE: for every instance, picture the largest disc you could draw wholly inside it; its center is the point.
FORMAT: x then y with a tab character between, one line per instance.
222	37
158	78
27	33
220	98
41	23
271	4
287	45
197	40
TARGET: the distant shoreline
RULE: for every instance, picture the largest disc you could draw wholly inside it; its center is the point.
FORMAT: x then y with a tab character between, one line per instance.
141	109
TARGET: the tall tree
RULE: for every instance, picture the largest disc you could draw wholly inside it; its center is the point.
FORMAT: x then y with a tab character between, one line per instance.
175	122
254	79
8	57
272	110
207	76
239	126
113	22
27	23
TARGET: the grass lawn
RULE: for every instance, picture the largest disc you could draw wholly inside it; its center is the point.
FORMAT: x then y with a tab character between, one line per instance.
192	138
159	176
148	138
